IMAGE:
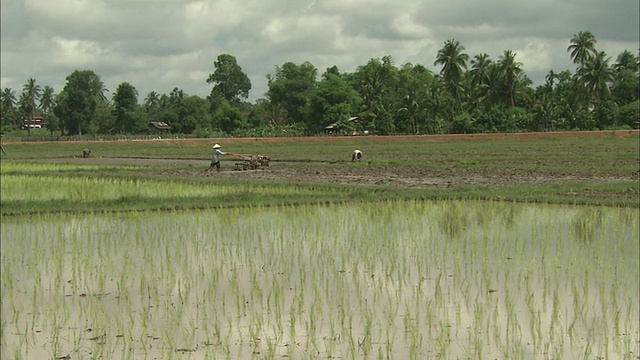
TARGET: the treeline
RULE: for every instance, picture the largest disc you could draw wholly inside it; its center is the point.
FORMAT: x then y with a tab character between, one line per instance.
468	95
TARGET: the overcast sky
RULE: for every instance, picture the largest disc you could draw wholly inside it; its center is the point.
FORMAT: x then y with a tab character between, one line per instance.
157	45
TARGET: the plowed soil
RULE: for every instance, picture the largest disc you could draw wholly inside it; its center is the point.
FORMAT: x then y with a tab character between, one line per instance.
344	172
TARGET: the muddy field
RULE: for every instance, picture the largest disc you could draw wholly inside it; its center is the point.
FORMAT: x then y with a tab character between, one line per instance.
344	172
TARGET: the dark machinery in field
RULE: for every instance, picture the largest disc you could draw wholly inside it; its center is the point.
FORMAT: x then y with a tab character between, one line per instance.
251	162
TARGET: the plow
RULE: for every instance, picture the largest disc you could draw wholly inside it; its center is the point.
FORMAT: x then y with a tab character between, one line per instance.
250	162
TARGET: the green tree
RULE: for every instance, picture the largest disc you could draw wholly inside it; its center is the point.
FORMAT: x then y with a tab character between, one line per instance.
8	102
511	75
479	78
291	87
125	102
626	61
454	63
626	82
47	99
152	101
104	119
480	67
413	100
629	115
228	118
47	102
596	74
77	102
376	82
196	113
582	47
332	100
230	82
31	91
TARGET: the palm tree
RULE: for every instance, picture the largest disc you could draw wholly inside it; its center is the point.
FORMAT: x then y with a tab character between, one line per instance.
32	92
626	61
152	104
152	100
98	89
479	76
510	72
582	48
480	69
8	103
596	74
176	98
47	99
454	62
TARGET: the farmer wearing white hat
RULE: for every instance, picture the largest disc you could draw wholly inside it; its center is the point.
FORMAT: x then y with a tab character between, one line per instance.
356	156
215	160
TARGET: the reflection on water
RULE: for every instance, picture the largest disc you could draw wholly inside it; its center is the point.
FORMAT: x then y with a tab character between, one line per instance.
391	280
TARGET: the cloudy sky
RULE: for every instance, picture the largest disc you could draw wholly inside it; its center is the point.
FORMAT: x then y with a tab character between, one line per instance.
157	45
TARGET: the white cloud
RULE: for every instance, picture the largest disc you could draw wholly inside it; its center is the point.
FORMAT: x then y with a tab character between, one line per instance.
161	44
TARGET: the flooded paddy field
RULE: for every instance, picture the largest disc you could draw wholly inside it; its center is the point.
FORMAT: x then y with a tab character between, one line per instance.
409	279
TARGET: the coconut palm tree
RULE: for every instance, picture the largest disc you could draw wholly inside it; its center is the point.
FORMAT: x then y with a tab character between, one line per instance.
97	88
510	72
626	61
47	99
8	103
582	47
152	100
596	74
479	77
31	91
454	63
479	72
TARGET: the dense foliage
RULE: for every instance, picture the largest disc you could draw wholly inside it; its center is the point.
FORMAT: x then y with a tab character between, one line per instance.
470	94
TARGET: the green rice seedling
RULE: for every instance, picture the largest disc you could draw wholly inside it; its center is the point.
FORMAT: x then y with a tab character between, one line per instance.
321	280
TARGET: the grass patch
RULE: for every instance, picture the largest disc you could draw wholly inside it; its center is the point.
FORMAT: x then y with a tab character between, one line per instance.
37	177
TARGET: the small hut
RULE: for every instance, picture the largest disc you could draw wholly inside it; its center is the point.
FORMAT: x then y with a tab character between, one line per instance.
337	129
158	127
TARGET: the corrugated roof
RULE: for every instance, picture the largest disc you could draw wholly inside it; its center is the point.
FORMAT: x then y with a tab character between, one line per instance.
160	125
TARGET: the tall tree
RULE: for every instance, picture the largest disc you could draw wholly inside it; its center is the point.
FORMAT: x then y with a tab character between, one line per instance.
31	91
626	84
332	100
47	99
376	82
77	102
8	103
152	100
626	61
510	72
230	82
413	99
479	78
125	102
582	47
479	72
291	87
47	102
597	75
454	63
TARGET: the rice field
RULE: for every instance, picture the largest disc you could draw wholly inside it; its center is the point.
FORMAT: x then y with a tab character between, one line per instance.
390	280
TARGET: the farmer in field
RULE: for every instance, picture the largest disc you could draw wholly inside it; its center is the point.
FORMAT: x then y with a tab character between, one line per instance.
356	156
215	157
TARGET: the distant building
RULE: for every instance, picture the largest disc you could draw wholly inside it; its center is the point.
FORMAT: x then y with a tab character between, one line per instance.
37	122
336	129
158	127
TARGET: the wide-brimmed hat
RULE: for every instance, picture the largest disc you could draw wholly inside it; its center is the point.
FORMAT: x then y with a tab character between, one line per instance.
216	146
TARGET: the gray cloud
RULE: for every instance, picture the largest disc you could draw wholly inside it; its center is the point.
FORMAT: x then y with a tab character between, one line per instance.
161	44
